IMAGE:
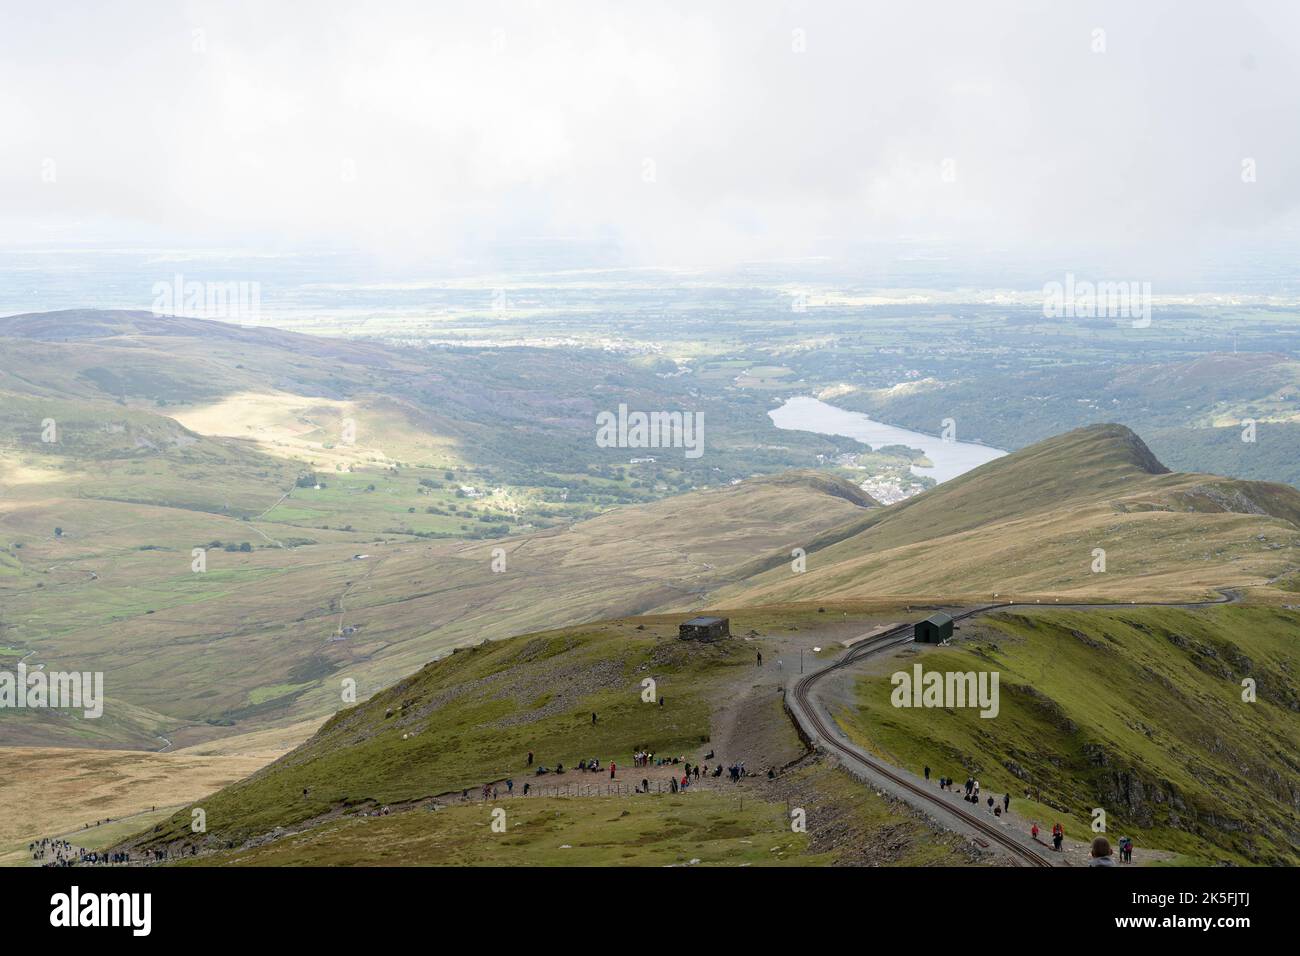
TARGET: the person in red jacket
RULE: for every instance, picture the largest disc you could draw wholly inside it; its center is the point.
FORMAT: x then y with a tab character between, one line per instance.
612	767
1033	832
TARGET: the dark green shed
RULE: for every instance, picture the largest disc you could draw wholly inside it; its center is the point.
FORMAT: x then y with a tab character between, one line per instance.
935	629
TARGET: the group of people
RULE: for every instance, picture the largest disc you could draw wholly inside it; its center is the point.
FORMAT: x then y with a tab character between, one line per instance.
1101	856
1101	853
641	757
971	794
1058	835
51	851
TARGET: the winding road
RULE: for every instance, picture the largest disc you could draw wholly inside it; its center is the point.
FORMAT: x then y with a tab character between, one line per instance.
815	721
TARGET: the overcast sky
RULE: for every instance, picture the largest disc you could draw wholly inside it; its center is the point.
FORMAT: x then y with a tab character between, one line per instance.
686	133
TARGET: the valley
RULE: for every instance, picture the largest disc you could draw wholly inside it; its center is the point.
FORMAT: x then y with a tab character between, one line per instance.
261	537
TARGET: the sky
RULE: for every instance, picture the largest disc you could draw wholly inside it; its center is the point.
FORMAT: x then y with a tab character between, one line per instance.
1155	134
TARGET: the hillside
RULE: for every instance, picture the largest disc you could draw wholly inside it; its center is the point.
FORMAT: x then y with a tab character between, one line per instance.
324	560
1189	410
1026	525
281	509
1139	712
473	717
264	636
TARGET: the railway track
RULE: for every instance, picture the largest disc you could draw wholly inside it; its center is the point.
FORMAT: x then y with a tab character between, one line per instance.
822	729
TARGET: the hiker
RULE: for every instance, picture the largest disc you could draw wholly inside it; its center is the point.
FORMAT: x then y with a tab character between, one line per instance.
530	758
593	718
927	774
510	785
527	786
990	802
1101	853
1125	850
661	700
612	767
645	784
1006	802
1058	837
760	658
1033	832
673	782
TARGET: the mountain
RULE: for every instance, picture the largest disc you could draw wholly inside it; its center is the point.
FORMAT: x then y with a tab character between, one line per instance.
283	625
1029	525
235	525
281	509
500	711
1138	713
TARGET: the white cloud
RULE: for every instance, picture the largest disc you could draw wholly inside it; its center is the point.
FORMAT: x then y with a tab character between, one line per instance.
493	121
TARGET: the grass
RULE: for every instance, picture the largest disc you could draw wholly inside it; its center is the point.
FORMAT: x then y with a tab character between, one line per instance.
703	829
203	645
1137	711
1027	525
471	718
49	791
474	716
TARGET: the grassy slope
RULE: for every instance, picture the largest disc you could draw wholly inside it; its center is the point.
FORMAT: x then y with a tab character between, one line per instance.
473	717
704	828
175	433
845	824
264	621
1027	524
56	791
1137	711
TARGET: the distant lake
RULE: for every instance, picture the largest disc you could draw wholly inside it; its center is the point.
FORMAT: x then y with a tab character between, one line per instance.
951	458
